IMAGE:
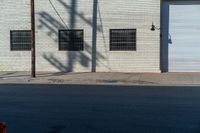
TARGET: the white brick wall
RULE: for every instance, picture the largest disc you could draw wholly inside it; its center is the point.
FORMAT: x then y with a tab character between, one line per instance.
14	16
111	14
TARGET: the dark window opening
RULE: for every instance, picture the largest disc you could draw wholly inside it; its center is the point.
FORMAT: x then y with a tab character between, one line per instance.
71	40
20	40
123	39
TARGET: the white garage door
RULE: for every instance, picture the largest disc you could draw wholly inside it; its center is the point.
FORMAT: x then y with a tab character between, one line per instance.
183	37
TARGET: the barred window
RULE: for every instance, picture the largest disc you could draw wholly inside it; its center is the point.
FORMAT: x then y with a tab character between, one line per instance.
122	39
20	40
71	40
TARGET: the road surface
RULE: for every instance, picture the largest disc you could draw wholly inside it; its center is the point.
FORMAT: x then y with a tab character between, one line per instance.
99	109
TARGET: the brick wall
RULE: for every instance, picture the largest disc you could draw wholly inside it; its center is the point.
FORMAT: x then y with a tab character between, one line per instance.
78	14
14	16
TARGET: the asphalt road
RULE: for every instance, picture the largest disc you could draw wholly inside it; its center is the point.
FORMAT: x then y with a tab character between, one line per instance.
99	109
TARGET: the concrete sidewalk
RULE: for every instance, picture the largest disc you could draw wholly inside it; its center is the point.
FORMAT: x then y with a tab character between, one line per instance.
166	79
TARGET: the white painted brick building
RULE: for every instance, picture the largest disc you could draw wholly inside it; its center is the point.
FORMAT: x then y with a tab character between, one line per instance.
55	15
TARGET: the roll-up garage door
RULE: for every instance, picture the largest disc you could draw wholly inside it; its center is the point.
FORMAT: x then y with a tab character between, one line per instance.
181	36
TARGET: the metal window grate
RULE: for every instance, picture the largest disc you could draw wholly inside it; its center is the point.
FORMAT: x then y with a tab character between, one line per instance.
20	40
71	40
123	39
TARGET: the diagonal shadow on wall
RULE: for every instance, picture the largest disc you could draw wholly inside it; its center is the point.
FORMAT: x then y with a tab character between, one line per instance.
86	58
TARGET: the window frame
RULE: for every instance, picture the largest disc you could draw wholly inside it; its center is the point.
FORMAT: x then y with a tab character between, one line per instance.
59	42
134	37
11	41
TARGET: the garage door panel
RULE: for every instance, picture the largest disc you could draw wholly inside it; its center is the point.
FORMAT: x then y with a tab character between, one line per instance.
184	33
